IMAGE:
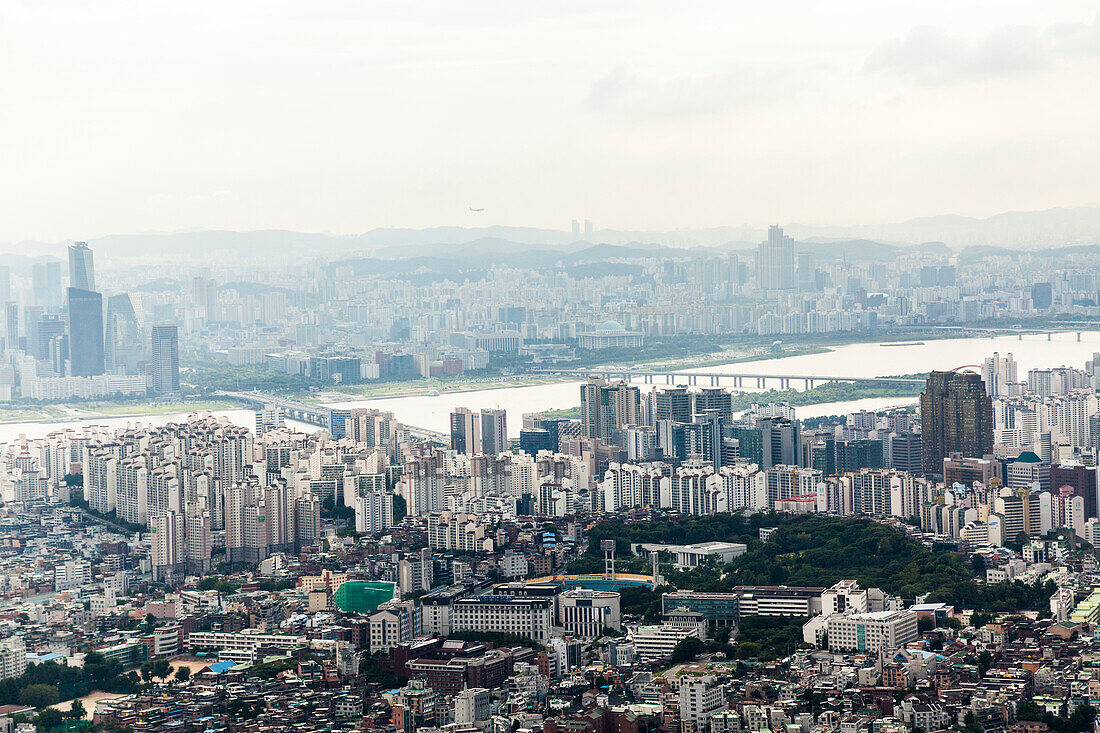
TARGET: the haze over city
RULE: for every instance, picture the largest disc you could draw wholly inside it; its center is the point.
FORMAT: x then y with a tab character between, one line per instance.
125	117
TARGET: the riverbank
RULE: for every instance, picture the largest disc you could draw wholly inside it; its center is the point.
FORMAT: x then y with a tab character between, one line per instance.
90	411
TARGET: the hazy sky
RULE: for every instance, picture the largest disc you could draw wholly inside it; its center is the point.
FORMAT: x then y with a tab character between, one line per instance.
124	117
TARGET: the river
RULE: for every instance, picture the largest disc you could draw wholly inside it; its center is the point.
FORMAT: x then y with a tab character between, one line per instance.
856	360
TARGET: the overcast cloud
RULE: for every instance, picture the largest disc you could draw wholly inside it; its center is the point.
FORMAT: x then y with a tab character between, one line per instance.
342	116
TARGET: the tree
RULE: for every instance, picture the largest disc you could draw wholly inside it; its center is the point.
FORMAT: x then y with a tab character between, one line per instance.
971	724
1082	718
979	619
39	695
49	719
686	650
183	673
162	668
925	623
77	711
748	650
978	563
147	672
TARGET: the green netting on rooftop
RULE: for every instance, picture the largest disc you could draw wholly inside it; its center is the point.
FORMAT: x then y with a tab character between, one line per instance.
360	596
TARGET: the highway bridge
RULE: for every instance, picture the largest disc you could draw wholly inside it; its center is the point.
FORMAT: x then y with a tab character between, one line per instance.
330	418
1019	331
713	379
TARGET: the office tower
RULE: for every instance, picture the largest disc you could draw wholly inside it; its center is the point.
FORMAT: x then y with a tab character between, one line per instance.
775	262
852	455
85	333
11	326
576	230
1042	296
5	283
905	452
998	373
123	341
779	442
608	406
38	283
533	440
165	359
465	431
53	285
204	296
714	398
81	269
49	327
806	271
31	315
673	404
587	230
494	431
956	416
46	284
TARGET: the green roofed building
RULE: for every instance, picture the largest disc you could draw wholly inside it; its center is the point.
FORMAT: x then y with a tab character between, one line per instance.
360	596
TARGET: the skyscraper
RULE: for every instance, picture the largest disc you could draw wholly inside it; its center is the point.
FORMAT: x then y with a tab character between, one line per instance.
81	269
46	284
11	325
494	431
956	416
50	326
607	407
85	333
775	262
465	431
998	373
165	359
124	345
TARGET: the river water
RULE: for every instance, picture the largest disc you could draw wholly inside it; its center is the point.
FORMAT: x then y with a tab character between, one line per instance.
854	360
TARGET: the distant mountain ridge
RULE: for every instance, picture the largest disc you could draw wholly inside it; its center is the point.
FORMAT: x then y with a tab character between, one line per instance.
1049	229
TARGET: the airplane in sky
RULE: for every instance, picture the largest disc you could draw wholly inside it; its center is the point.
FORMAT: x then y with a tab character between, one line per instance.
473	209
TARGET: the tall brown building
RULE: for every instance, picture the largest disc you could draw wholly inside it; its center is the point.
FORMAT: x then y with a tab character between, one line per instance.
1081	479
956	416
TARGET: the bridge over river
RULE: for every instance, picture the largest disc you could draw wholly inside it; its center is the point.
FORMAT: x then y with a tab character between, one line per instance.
714	379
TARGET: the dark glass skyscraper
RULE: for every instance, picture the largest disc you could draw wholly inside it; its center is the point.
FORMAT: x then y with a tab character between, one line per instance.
956	416
165	359
123	341
85	333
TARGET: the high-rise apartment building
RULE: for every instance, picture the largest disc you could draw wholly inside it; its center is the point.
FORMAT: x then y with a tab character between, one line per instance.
85	333
776	268
606	407
956	417
998	373
165	354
